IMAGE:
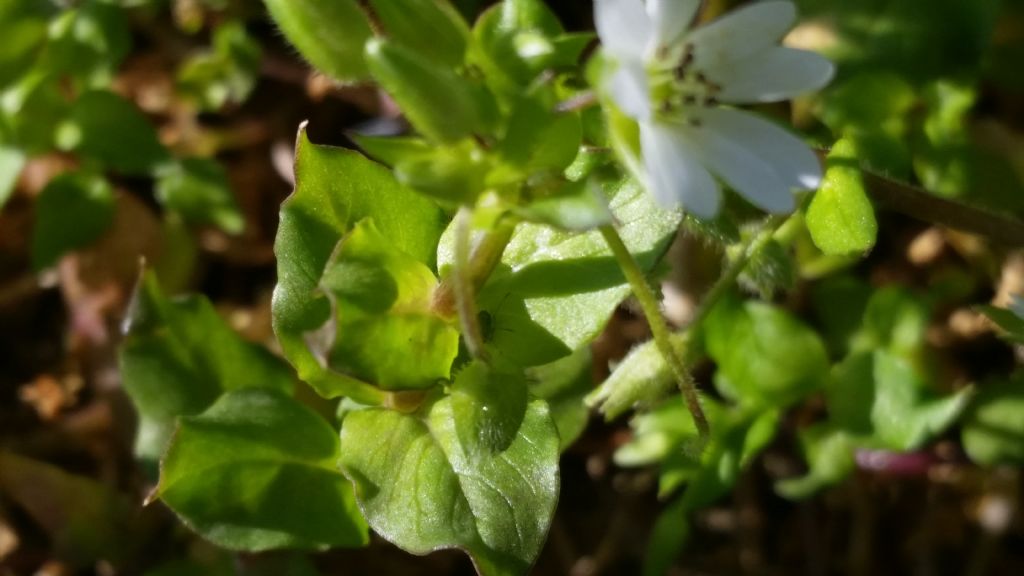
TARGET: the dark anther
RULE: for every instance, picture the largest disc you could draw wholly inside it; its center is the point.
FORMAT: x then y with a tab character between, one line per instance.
690	99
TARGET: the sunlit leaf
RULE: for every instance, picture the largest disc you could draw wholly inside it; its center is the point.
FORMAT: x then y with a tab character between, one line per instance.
421	489
336	188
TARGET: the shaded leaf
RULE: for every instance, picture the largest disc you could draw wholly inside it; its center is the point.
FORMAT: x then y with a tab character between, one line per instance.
330	35
178	356
73	211
199	190
258	471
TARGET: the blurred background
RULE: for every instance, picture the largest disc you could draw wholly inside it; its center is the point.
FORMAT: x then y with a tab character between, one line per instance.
163	131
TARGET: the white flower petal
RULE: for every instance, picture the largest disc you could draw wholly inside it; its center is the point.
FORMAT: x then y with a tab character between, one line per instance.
792	161
671	18
778	73
628	87
742	169
674	176
741	33
624	27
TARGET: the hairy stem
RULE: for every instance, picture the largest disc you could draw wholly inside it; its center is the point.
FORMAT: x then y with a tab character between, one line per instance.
776	226
659	329
463	286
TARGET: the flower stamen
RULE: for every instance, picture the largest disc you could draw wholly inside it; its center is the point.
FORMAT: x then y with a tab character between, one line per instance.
678	88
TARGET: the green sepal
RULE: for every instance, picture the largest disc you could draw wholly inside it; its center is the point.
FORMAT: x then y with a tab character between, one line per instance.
430	27
439	103
331	35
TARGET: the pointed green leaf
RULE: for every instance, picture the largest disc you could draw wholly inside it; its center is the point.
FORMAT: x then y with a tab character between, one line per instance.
258	471
431	27
420	489
440	104
331	35
334	189
384	330
73	211
178	356
841	218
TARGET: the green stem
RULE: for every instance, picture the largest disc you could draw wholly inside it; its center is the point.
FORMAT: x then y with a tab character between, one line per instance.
462	282
659	329
777	227
482	263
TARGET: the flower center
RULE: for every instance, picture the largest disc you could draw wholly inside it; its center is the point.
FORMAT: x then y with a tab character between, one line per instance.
678	87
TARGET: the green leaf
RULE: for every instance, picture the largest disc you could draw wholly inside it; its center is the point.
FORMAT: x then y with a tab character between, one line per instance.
830	454
554	291
384	329
516	40
199	190
642	378
454	174
85	520
12	161
765	356
336	188
489	406
88	42
993	431
258	471
331	35
563	384
840	218
23	26
430	27
881	397
440	104
895	319
112	130
579	207
420	489
178	356
227	74
839	303
72	212
540	139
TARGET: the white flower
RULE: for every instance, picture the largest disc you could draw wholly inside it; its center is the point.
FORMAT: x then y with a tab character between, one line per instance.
673	80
